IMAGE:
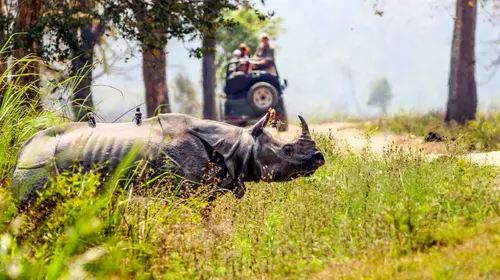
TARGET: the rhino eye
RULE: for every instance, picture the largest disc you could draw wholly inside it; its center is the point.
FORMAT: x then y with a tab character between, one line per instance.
288	149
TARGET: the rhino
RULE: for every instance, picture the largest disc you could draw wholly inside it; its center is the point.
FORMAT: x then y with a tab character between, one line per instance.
191	144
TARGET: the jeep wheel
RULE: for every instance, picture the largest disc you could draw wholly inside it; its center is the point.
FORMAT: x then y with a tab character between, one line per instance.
262	96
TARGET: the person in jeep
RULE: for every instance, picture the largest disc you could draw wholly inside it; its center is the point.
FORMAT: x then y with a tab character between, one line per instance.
236	55
264	55
243	68
244	51
235	58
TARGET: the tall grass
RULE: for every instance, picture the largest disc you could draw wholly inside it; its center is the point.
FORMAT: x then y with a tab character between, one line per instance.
20	119
357	206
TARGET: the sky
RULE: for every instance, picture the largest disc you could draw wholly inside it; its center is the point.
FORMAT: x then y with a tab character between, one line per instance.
409	44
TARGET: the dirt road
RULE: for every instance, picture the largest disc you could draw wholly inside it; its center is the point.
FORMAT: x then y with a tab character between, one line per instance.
347	133
355	138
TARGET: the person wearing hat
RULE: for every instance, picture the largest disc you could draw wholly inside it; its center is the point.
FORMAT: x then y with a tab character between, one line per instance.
235	57
245	55
244	50
264	53
243	68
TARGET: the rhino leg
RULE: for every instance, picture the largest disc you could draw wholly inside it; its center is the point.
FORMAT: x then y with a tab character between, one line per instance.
27	183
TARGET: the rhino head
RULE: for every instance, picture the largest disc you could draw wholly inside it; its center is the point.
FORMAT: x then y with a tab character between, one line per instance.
275	160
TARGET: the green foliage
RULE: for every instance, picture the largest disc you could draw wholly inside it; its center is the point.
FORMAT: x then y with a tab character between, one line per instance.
153	23
380	94
62	24
156	23
248	25
185	96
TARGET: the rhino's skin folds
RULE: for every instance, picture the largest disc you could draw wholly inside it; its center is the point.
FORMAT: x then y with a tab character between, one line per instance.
190	143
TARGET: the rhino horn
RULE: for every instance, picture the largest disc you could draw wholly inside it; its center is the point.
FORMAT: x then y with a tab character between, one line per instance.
305	129
259	126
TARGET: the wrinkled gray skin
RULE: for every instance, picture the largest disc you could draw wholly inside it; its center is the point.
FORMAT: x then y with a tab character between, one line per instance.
190	143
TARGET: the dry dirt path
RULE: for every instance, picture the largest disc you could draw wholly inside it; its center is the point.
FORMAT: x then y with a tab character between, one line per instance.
347	133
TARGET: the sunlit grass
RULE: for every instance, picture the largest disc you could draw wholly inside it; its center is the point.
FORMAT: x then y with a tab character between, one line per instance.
358	207
471	252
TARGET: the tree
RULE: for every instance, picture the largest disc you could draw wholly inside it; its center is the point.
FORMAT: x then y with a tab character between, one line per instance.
72	30
27	23
154	72
380	94
248	25
462	95
153	23
6	25
144	21
208	77
208	68
185	96
154	57
83	62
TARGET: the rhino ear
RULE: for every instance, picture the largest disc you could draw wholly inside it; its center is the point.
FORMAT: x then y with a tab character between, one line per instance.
233	146
260	125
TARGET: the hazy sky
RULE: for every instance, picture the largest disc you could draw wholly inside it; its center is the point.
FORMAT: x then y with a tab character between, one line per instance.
410	45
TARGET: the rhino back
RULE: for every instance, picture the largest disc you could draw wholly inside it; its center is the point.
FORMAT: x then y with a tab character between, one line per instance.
104	143
90	145
39	150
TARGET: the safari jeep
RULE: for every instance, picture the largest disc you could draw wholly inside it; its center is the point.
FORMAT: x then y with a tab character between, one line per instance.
248	97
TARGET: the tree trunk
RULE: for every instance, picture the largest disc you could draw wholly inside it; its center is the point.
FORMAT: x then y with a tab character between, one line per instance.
462	96
82	66
154	63
154	70
209	72
28	15
3	56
